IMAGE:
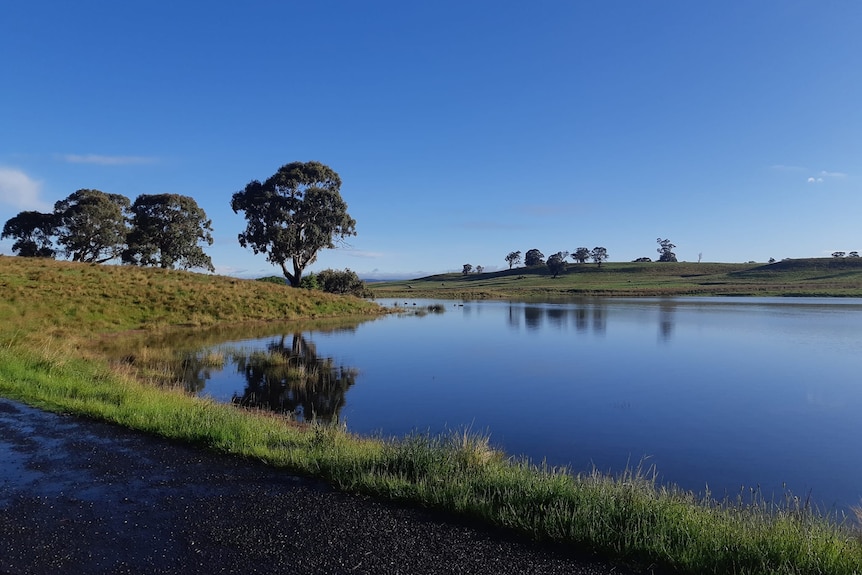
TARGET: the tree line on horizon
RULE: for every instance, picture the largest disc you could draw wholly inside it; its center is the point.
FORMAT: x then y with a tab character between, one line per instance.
290	217
557	262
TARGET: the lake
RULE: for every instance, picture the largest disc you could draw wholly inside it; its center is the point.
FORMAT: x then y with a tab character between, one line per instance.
729	393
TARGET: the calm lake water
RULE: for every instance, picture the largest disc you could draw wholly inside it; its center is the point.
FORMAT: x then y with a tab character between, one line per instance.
729	393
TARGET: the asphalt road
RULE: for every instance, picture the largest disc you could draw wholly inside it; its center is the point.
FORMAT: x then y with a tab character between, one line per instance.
78	496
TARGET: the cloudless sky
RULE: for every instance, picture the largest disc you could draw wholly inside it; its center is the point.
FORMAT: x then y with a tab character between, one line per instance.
462	130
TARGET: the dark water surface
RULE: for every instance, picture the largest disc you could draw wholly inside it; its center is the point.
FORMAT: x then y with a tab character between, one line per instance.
724	393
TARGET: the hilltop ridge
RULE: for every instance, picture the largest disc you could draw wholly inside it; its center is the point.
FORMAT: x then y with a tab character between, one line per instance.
822	277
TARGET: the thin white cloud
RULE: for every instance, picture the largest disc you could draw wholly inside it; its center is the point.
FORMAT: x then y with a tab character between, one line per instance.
815	179
106	160
20	191
824	175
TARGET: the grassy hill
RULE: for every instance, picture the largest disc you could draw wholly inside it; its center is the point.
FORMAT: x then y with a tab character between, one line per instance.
40	295
799	277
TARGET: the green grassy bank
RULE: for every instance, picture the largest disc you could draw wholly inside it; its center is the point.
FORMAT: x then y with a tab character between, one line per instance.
801	277
56	317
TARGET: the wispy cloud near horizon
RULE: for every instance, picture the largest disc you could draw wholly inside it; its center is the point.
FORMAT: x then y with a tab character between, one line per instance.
102	160
20	191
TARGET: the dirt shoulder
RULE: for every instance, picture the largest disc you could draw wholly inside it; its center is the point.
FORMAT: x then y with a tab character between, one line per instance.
78	496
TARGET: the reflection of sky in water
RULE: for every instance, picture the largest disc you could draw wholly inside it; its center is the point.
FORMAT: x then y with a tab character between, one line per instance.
718	391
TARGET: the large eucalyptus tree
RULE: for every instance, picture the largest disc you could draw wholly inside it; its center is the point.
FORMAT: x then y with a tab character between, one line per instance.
293	215
92	225
166	232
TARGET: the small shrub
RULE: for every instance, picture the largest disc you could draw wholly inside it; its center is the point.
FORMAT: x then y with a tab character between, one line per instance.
342	282
309	282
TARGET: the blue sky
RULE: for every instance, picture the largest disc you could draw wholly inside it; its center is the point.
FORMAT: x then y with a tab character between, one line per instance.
461	130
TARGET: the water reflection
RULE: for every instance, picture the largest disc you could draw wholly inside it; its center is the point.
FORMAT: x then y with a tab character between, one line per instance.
666	311
290	377
533	317
558	317
581	320
682	380
286	375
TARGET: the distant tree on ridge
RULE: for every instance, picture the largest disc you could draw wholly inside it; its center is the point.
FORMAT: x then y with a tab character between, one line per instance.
514	258
534	258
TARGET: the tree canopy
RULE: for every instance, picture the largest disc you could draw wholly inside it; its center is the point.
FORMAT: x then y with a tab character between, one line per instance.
666	250
293	215
599	254
91	225
557	263
32	233
513	258
166	231
534	257
581	255
341	282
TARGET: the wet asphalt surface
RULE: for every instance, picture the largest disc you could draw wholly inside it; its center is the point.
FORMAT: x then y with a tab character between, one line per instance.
78	496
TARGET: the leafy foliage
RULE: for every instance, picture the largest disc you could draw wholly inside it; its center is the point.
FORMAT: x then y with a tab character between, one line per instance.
467	269
665	250
581	255
341	282
309	281
32	232
166	230
293	215
534	258
599	254
557	263
514	258
91	225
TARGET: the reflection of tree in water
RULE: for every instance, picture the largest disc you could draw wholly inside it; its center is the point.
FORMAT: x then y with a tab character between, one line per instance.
514	317
557	316
533	317
599	319
293	379
584	316
665	319
196	369
581	323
